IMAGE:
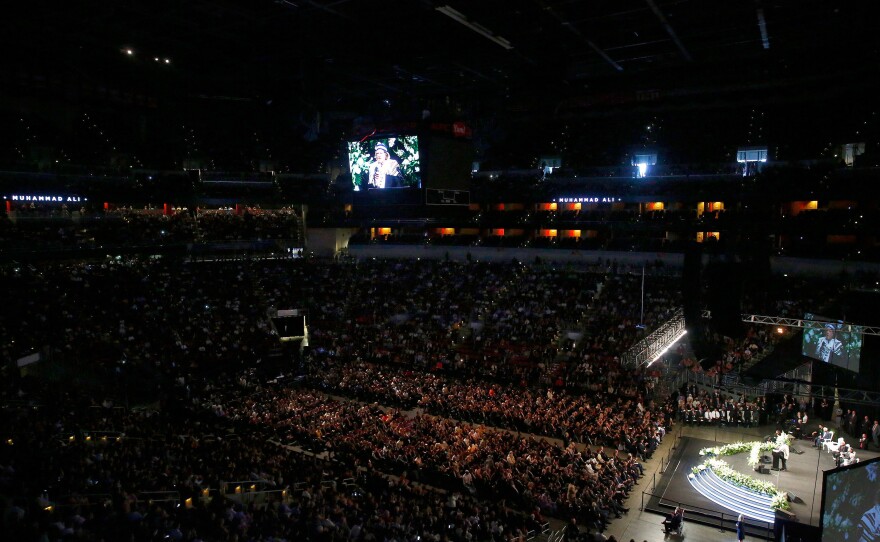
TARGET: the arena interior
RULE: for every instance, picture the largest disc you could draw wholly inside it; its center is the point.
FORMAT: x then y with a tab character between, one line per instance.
403	271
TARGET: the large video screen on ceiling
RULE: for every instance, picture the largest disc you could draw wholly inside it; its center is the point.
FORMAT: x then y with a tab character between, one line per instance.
385	163
851	503
835	343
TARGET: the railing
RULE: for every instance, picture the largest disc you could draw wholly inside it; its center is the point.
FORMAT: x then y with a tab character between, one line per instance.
790	388
256	491
159	496
263	496
74	501
725	521
534	533
103	436
665	461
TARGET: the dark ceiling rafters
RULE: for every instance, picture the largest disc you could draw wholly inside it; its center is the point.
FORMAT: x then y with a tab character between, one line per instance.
573	29
307	49
669	30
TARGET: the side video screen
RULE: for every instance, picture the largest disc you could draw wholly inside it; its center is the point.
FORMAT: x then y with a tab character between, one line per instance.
851	503
835	343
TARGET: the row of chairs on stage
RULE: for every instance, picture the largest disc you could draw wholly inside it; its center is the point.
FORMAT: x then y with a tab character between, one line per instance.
843	453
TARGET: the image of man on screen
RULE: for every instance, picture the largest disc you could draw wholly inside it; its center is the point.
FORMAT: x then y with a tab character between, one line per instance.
384	171
869	526
829	348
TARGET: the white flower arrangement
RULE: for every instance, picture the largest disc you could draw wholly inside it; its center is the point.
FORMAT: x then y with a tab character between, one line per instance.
727	449
723	470
780	501
755	454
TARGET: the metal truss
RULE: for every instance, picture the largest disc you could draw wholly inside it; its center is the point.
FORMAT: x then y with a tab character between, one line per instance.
793	388
795	382
801	323
652	346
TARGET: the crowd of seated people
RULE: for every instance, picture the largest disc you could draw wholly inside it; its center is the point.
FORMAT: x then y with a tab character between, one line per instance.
472	318
489	463
252	223
465	317
594	419
170	474
503	320
704	408
616	321
190	322
116	315
56	227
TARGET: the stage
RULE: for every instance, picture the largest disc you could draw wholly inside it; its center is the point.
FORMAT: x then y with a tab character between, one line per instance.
802	479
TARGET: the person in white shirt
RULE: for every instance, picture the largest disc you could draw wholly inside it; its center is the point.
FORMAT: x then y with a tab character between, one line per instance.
780	452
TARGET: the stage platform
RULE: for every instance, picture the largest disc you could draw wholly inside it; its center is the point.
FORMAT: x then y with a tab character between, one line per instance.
802	479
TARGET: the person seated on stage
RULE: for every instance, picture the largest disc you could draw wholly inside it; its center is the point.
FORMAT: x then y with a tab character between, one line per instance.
798	430
843	455
673	520
823	434
863	442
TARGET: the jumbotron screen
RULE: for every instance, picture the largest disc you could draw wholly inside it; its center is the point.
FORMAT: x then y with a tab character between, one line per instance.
384	163
835	343
851	503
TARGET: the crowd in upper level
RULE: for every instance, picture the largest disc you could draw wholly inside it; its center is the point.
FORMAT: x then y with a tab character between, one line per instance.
41	227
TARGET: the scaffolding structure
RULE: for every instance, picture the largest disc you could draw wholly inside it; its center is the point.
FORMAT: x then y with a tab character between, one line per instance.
656	343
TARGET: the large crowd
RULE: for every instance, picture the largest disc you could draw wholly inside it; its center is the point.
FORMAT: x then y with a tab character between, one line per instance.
437	411
96	472
436	401
45	227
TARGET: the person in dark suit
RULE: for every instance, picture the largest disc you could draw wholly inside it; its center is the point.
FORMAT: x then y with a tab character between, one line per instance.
673	521
823	434
875	433
740	529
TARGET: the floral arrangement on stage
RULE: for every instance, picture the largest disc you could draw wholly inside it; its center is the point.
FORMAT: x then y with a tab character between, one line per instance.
727	449
723	470
754	448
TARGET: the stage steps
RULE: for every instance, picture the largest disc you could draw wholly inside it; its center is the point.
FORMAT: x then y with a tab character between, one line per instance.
738	499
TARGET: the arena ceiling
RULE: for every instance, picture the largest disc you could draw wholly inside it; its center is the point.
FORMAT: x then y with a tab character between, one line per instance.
347	53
